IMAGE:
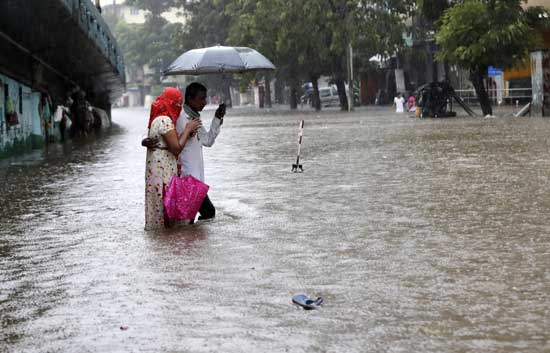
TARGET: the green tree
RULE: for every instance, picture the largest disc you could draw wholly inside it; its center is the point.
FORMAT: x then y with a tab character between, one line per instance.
371	27
207	24
432	10
253	26
303	45
131	44
310	38
304	39
477	33
150	43
426	20
155	7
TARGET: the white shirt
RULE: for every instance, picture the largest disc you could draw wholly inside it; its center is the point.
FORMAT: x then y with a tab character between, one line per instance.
399	101
191	158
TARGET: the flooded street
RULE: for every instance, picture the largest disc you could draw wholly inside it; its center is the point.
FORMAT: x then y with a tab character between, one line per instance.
421	236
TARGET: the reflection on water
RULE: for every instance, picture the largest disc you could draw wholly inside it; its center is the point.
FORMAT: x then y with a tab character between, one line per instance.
421	235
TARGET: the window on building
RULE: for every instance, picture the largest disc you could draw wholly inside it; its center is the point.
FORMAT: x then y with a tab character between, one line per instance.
134	11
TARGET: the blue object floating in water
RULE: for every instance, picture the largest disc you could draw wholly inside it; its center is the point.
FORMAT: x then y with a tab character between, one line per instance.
306	302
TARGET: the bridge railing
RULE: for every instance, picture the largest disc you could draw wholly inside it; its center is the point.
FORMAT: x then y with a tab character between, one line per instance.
91	21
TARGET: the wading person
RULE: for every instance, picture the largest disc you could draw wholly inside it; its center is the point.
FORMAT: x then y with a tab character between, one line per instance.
191	158
161	163
399	103
411	103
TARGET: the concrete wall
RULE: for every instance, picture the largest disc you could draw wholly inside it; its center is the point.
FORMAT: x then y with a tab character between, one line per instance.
27	133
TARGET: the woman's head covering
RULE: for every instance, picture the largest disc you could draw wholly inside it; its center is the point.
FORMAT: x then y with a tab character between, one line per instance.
167	104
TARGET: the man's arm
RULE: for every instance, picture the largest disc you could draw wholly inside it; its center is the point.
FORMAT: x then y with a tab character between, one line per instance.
207	138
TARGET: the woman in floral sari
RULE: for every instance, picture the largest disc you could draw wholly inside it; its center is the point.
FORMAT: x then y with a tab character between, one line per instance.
161	164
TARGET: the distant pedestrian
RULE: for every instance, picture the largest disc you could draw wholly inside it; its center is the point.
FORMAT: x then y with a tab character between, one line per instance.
161	163
411	104
191	158
45	112
399	103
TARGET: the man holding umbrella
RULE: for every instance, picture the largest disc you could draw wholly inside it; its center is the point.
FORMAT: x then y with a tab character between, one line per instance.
212	60
191	157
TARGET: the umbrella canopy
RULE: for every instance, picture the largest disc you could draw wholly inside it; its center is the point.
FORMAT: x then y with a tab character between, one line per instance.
219	59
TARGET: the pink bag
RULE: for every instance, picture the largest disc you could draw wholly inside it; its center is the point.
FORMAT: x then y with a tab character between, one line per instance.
184	197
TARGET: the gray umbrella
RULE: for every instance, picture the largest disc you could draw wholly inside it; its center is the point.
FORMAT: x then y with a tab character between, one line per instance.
218	60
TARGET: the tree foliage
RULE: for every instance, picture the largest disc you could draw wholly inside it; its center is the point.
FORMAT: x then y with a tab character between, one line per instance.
151	43
155	7
305	39
310	38
208	23
432	10
477	33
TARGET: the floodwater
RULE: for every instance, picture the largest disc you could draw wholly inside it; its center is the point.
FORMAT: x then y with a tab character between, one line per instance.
421	236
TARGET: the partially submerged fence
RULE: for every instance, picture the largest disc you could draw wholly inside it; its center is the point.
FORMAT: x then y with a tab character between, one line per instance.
510	96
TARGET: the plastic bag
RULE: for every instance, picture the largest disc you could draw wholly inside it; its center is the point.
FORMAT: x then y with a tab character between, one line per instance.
184	197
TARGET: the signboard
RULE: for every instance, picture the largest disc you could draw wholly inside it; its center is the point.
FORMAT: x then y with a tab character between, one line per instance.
493	71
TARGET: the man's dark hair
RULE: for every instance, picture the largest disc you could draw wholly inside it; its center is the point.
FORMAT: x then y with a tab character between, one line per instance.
193	89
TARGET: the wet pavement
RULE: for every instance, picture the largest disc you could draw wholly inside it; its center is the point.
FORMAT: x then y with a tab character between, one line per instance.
420	235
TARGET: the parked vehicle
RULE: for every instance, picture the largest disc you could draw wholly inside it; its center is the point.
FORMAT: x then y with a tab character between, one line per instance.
329	96
307	97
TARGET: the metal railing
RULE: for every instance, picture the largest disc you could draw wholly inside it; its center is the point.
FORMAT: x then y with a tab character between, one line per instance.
91	21
510	96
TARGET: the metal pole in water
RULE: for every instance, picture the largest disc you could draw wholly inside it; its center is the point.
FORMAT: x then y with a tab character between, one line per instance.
297	166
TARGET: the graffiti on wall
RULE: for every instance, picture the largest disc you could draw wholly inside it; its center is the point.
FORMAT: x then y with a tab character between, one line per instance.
17	116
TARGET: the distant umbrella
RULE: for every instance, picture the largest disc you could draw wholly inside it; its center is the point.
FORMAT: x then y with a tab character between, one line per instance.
218	60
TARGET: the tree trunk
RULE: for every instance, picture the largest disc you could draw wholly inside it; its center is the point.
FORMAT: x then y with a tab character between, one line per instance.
293	95
339	71
279	88
341	86
141	94
429	64
316	101
267	91
477	77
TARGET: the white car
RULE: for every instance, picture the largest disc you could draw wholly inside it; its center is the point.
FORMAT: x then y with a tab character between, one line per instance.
329	96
